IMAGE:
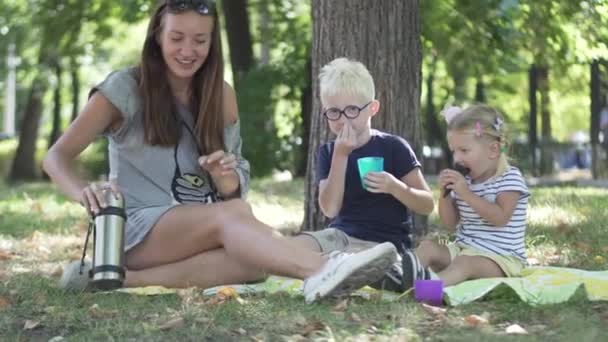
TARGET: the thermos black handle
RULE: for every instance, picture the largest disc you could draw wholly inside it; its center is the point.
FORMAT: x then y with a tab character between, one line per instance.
117	211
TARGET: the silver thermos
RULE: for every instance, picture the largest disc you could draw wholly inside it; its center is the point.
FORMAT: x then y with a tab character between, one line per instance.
108	271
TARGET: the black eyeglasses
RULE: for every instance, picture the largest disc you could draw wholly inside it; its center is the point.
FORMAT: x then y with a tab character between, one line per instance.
350	112
202	7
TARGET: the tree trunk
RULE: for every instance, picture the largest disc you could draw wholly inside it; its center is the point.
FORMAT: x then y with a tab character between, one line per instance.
75	89
596	107
480	91
546	156
383	35
532	125
24	164
239	37
306	105
56	130
265	31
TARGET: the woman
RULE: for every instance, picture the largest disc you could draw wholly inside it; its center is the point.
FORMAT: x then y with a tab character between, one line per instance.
174	147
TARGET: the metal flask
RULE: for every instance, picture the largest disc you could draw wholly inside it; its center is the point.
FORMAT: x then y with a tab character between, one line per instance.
108	271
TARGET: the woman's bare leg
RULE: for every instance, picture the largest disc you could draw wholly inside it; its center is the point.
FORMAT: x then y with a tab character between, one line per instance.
204	270
189	230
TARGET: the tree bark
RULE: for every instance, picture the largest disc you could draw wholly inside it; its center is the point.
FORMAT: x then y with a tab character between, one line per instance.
532	125
75	76
596	107
306	105
546	156
24	164
480	91
56	129
385	36
239	37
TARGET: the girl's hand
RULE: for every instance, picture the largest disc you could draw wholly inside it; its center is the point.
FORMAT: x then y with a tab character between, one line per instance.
380	182
218	163
346	140
454	180
92	197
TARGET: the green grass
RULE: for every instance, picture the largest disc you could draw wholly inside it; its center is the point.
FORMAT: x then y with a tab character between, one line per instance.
40	230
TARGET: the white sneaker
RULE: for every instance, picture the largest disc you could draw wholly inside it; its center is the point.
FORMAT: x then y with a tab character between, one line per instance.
72	279
344	273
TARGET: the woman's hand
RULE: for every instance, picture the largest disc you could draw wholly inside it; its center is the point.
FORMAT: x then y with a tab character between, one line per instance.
218	163
92	197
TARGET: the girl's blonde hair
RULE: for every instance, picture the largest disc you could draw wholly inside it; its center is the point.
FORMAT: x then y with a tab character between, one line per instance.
344	76
484	122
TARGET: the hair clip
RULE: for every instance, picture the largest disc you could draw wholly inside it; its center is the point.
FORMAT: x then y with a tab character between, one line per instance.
498	124
450	113
477	129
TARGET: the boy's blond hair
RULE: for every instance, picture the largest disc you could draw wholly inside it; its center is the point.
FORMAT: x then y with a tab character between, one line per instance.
344	76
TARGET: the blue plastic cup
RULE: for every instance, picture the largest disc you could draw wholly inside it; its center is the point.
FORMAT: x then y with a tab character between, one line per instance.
369	164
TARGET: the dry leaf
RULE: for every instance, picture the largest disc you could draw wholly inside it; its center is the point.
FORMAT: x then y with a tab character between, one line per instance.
241	331
433	310
30	325
342	306
354	317
5	256
599	259
172	323
475	320
516	329
4	303
312	326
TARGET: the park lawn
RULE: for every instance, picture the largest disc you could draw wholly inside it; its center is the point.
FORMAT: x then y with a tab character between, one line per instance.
40	231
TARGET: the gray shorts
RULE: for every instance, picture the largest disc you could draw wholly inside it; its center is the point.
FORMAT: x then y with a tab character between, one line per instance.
332	239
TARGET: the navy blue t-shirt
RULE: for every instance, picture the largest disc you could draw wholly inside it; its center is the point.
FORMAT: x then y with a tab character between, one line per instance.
365	215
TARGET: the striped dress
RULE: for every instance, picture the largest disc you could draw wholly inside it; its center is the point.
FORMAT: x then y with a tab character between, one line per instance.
476	232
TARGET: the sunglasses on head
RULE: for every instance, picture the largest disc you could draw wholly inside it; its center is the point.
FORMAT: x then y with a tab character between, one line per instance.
201	7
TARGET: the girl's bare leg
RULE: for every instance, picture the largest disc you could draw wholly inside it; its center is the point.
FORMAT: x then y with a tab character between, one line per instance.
433	255
469	267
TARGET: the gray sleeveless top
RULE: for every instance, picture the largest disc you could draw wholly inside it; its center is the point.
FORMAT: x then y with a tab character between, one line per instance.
154	179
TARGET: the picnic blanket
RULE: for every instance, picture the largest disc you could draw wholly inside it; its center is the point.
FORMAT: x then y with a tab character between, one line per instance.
536	286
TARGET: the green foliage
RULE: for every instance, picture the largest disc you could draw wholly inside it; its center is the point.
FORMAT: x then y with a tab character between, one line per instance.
269	95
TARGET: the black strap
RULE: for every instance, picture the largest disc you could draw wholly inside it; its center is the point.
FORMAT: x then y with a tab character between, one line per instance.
107	268
86	242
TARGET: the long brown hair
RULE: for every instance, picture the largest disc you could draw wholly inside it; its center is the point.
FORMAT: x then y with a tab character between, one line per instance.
161	123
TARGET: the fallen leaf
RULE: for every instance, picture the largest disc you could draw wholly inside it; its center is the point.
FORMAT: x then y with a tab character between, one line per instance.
599	259
172	323
4	303
475	320
5	256
433	310
516	329
354	317
342	306
311	326
241	331
30	325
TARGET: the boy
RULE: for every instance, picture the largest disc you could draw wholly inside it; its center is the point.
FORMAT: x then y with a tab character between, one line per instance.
380	212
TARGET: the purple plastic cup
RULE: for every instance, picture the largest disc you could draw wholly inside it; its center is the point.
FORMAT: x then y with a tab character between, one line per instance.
429	291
